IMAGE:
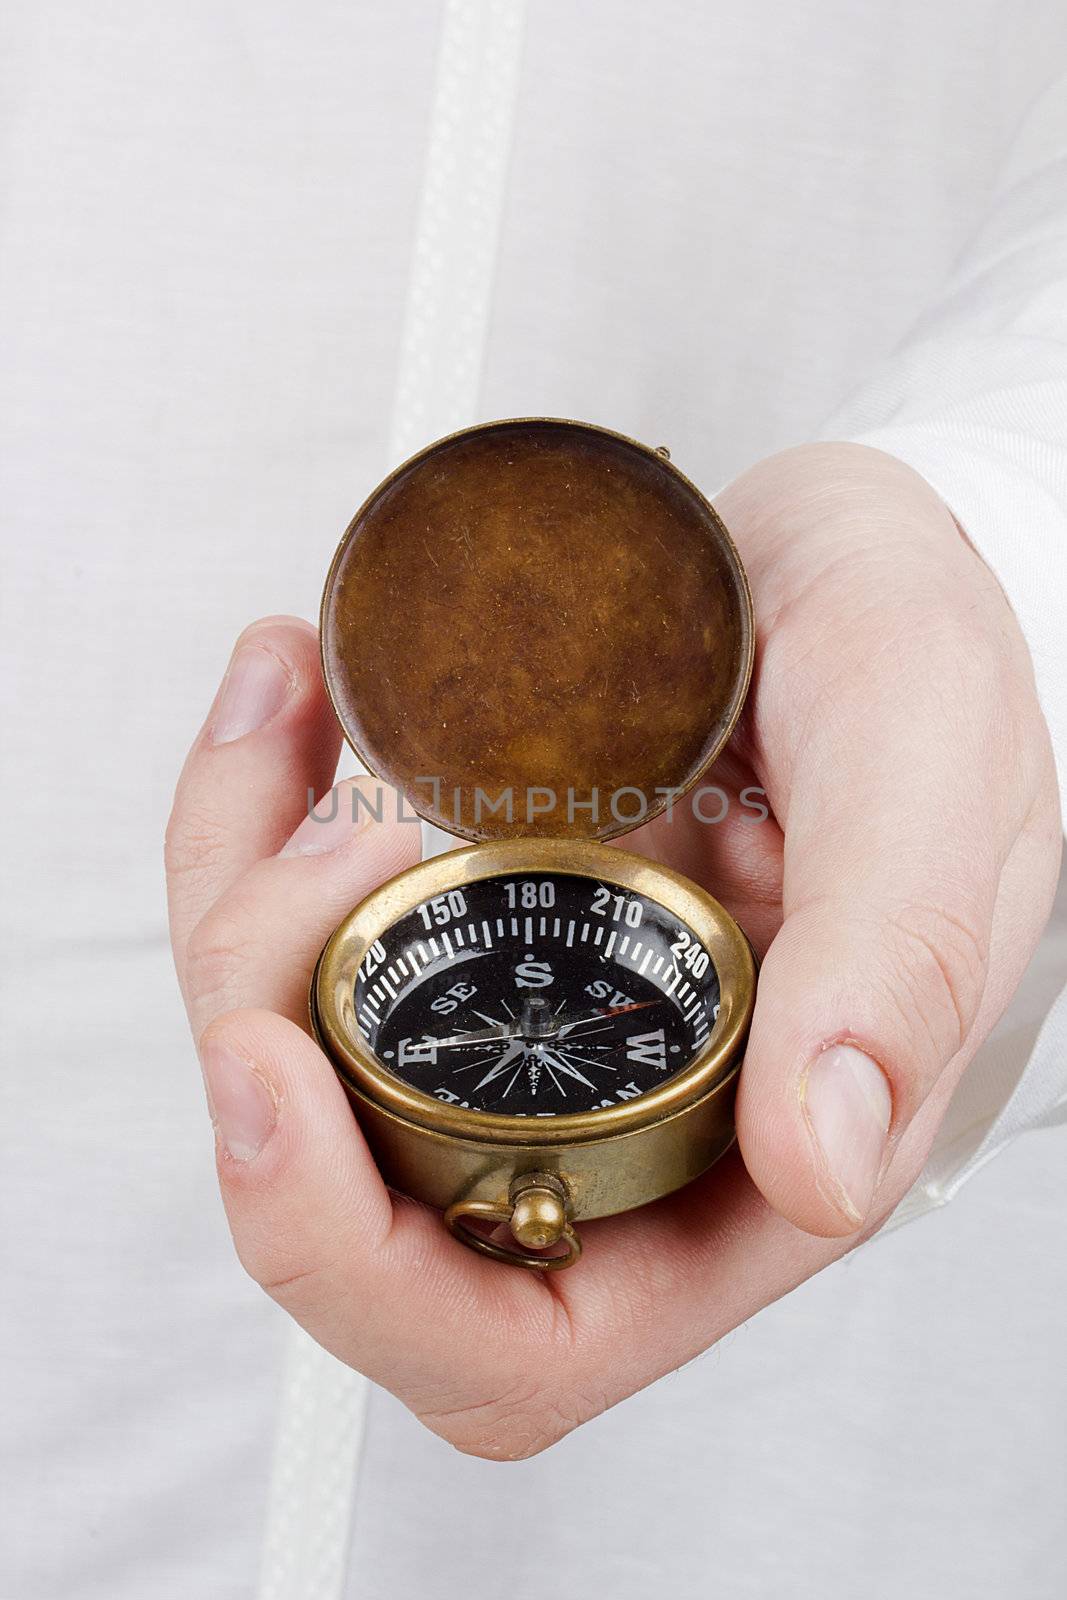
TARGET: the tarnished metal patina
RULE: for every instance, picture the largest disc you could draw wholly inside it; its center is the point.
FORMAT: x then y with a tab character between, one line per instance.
540	633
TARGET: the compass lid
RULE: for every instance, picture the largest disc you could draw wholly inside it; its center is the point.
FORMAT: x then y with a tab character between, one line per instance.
537	627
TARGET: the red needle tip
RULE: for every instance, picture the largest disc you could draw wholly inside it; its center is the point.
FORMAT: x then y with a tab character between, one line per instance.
617	1011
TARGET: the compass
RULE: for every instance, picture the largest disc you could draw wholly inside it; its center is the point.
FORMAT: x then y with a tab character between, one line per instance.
540	634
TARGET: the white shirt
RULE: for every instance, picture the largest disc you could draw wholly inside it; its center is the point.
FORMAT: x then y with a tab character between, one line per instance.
249	258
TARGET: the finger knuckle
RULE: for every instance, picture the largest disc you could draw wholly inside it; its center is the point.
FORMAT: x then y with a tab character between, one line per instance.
939	961
220	950
193	844
296	1286
301	1281
521	1422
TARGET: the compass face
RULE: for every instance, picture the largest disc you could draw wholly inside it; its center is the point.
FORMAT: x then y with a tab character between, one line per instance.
537	995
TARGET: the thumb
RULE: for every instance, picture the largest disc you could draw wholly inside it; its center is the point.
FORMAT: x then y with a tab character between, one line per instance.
857	1018
873	985
895	732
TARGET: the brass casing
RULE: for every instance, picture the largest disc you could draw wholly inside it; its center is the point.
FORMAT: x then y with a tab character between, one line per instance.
609	1160
640	602
582	623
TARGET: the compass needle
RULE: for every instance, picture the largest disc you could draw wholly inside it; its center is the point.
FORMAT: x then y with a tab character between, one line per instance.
493	1023
535	1025
544	1023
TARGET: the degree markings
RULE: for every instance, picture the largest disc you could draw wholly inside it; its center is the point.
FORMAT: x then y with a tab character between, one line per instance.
677	988
458	943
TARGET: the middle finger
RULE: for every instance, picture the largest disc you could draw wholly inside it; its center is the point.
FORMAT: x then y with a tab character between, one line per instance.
257	946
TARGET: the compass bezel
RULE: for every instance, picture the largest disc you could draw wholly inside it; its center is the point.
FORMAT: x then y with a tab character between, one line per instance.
718	1060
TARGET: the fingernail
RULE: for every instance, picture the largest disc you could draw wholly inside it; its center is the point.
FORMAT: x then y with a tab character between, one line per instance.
242	1104
848	1105
324	828
254	688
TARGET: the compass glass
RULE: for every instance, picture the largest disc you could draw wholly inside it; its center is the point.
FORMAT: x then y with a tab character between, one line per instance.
537	995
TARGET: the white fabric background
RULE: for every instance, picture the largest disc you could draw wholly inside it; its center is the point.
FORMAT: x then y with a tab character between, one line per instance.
719	222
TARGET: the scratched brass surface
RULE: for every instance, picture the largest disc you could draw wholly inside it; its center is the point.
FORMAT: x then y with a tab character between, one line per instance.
540	608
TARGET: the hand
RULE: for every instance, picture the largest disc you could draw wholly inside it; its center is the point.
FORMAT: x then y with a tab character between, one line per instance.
898	888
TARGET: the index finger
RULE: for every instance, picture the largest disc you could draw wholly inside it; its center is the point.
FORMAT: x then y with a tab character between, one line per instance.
269	740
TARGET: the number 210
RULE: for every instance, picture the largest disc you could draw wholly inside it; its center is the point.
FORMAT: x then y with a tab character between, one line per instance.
617	906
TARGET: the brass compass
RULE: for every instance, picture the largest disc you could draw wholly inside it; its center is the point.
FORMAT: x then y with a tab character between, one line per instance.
540	634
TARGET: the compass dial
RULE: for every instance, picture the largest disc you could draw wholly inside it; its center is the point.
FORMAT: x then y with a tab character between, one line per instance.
537	995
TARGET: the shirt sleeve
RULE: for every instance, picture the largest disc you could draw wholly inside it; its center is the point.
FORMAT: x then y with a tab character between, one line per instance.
975	399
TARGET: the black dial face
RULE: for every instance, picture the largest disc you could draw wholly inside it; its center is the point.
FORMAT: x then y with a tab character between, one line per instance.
537	995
